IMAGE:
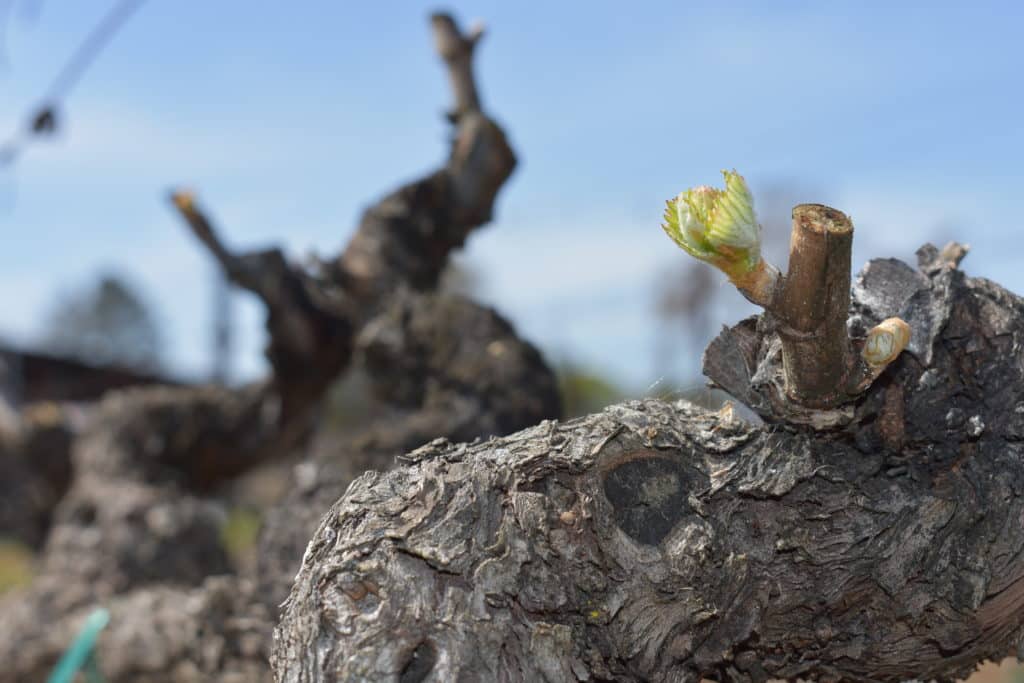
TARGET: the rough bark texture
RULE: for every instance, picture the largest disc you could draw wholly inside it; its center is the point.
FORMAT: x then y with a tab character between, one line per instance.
654	541
819	368
663	542
136	522
447	368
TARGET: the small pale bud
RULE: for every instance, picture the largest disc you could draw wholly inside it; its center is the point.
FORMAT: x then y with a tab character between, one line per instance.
886	341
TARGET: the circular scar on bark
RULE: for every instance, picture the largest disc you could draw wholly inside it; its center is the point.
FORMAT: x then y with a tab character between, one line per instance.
649	495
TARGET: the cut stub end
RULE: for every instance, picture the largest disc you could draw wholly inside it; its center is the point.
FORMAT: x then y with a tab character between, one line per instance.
183	199
883	345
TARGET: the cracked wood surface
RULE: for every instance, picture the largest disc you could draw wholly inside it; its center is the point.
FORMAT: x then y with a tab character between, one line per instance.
662	542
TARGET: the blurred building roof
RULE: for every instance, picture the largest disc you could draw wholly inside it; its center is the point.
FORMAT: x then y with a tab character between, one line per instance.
28	376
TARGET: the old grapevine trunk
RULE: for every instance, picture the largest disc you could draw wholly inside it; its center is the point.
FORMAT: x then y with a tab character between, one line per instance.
658	541
128	506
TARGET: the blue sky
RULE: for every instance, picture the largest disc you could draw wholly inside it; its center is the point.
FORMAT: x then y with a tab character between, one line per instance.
290	118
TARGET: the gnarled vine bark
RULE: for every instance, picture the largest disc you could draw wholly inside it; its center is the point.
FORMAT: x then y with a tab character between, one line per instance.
138	528
663	542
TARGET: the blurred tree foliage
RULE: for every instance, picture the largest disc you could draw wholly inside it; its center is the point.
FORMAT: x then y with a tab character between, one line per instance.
585	391
105	324
16	568
239	534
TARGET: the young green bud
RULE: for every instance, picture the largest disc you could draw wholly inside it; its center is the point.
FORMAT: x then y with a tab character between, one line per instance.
717	226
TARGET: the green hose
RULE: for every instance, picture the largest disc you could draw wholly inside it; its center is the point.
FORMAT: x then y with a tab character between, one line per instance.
81	656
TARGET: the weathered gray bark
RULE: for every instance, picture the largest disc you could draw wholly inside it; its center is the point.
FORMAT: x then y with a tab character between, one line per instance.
662	542
215	631
446	367
651	542
138	528
128	526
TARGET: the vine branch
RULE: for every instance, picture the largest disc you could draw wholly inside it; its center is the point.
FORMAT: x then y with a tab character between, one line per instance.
823	367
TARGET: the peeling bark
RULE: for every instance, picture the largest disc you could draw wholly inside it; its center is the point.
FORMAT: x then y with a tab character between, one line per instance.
663	542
